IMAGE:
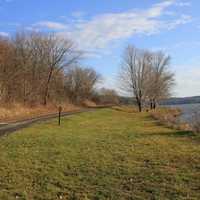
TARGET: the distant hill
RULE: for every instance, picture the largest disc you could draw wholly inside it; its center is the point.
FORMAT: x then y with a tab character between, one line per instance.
181	100
127	100
170	101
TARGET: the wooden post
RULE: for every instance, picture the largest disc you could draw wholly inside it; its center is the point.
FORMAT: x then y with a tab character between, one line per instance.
59	115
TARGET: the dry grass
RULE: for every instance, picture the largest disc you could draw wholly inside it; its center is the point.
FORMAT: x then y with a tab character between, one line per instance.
89	104
169	117
19	112
195	125
102	155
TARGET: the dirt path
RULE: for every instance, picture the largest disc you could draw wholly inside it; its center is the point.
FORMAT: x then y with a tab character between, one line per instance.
11	127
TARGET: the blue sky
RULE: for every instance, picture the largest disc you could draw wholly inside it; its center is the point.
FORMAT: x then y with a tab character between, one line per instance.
104	28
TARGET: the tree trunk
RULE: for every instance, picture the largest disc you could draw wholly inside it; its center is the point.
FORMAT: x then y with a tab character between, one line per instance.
154	104
24	91
151	104
139	103
140	107
47	88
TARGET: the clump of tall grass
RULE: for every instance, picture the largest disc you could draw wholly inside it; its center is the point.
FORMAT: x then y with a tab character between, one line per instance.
169	117
18	111
195	124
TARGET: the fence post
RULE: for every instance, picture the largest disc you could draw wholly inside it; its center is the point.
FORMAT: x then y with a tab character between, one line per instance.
59	115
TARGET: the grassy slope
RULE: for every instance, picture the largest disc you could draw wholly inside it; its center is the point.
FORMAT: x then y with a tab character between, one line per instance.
106	154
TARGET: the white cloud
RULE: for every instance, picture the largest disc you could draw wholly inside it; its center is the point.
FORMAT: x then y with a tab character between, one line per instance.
78	14
104	30
177	47
184	19
157	9
183	4
50	25
187	79
4	34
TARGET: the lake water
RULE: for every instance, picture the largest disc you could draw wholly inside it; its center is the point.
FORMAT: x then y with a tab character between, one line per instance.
188	111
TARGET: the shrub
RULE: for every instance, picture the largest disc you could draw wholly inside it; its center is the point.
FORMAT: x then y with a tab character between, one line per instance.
195	125
168	117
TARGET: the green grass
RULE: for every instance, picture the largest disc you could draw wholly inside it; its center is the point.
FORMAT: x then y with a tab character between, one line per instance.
107	154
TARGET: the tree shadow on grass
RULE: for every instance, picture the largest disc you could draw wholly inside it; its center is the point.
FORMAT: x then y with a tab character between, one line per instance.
177	133
157	122
154	122
149	118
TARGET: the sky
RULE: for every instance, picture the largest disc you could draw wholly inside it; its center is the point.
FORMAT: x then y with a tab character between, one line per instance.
103	28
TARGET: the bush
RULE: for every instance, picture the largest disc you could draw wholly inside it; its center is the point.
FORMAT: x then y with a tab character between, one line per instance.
195	125
168	116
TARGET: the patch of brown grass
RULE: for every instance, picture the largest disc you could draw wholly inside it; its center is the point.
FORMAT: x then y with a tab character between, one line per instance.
195	124
169	117
88	103
16	112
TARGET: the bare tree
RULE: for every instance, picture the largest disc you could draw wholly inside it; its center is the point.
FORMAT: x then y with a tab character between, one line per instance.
33	65
23	63
60	54
80	83
6	69
146	75
134	74
108	96
161	79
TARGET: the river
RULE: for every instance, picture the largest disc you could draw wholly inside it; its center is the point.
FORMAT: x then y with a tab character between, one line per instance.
188	111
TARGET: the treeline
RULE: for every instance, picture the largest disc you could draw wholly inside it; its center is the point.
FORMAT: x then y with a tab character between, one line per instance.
41	68
146	75
38	68
181	100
